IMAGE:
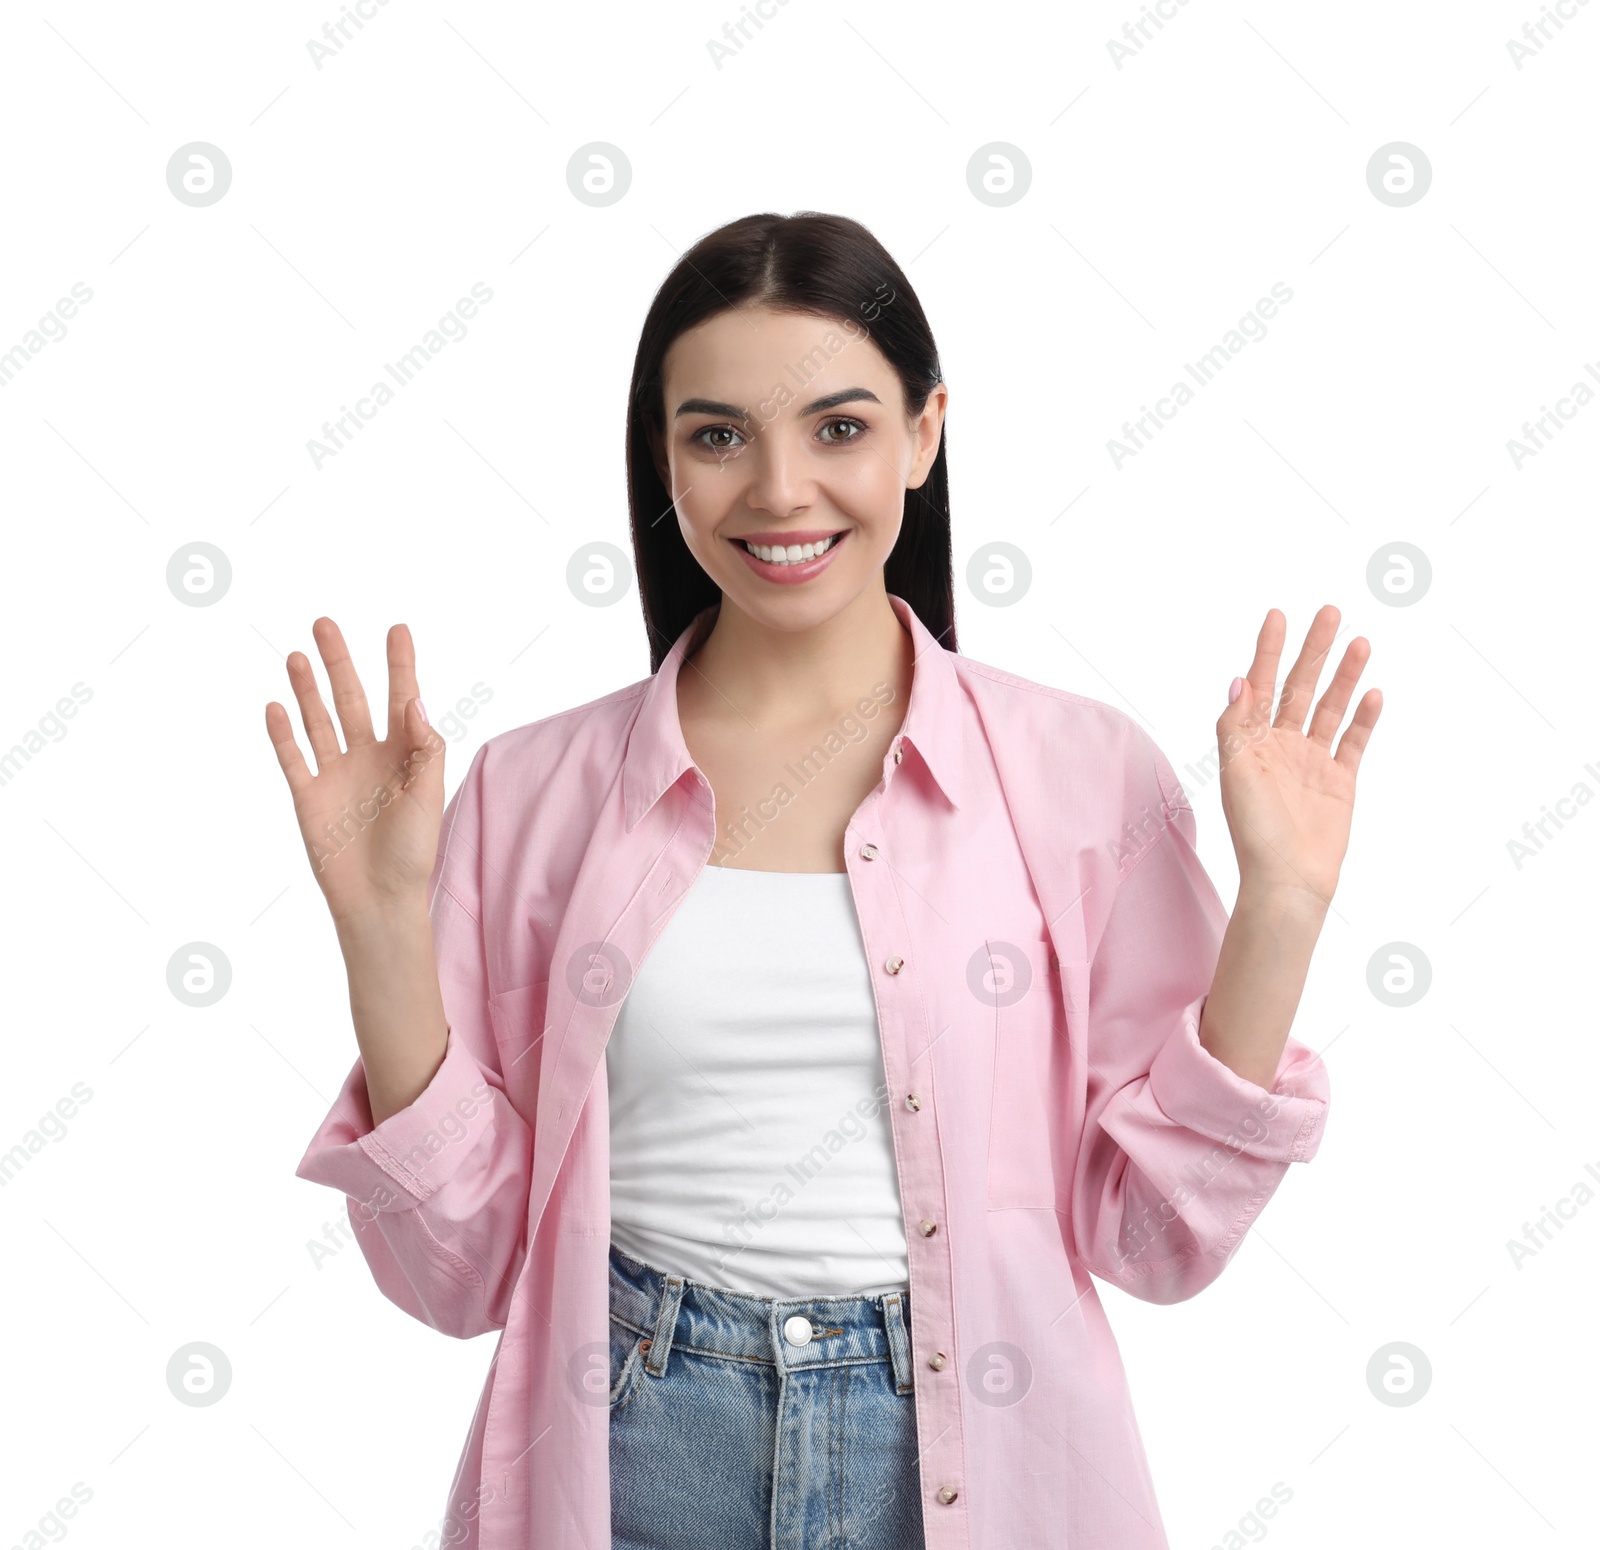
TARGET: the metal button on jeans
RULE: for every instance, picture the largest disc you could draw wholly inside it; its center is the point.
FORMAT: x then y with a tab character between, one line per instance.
797	1330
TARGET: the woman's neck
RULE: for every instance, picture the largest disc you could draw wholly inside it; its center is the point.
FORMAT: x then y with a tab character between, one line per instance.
797	677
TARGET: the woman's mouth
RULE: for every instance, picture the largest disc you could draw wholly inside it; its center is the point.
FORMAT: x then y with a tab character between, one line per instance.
804	556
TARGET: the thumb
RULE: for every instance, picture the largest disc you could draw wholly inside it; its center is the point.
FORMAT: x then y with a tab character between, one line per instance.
1241	707
425	757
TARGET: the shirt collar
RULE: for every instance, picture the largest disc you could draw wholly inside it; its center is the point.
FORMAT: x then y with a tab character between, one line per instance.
657	755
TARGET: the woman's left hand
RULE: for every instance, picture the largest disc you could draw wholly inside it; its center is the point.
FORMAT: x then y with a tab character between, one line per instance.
1287	795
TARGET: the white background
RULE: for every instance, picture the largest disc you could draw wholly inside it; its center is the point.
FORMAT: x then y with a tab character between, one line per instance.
1167	197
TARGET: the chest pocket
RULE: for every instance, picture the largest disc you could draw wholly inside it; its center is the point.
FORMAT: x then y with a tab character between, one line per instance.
1023	987
518	1020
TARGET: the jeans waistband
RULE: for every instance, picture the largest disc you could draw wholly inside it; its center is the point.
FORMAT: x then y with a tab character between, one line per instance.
675	1313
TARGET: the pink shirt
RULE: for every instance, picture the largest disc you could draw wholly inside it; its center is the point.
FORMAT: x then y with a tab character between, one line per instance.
1041	937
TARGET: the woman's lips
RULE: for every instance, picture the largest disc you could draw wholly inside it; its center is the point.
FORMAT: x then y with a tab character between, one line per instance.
802	570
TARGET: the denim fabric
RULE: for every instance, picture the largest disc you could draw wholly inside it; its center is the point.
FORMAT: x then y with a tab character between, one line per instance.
725	1433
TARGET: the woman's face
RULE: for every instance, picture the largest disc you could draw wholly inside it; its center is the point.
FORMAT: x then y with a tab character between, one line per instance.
786	430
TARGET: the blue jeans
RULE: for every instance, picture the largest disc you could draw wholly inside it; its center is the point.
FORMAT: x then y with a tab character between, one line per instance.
752	1423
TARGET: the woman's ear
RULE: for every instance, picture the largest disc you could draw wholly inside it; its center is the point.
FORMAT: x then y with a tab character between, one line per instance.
928	430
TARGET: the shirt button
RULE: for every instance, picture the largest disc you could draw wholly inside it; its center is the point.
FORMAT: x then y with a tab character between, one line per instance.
797	1330
897	753
895	965
947	1494
869	852
937	1361
913	1102
928	1228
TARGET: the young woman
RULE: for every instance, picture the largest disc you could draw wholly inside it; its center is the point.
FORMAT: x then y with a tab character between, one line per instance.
772	1050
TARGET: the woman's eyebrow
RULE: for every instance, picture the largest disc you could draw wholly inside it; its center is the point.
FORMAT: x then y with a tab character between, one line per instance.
816	406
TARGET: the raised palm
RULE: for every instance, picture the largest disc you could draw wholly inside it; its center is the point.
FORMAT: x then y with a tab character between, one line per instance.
1287	794
370	815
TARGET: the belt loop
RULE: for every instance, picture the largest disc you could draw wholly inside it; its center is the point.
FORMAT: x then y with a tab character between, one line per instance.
894	1325
666	1322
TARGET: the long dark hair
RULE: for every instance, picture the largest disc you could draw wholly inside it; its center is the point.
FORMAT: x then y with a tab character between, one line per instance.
831	267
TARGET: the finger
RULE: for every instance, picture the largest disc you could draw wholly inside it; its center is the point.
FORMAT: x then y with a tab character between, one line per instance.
1331	707
348	697
1301	684
319	729
402	679
1354	741
290	760
1263	672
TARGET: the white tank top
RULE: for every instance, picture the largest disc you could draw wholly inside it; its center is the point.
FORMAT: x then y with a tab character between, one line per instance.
750	1140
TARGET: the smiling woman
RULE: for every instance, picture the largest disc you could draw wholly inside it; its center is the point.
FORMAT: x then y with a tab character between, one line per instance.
718	434
795	521
620	986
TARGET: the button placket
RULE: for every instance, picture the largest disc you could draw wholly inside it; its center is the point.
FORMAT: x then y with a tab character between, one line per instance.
921	1150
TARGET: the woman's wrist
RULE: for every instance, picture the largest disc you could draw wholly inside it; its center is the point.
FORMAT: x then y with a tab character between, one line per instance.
383	919
1282	897
395	1000
1261	972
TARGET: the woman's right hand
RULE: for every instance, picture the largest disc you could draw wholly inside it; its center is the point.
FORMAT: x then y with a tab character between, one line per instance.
370	815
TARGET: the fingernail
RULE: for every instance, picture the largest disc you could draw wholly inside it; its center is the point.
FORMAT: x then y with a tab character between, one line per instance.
421	711
1235	689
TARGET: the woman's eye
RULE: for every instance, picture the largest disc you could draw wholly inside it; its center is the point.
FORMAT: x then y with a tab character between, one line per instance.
855	425
710	436
715	430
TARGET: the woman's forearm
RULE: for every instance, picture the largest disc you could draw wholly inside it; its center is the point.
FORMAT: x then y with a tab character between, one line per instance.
1261	971
395	1002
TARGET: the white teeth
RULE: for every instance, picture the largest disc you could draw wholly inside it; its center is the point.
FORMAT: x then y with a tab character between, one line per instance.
793	554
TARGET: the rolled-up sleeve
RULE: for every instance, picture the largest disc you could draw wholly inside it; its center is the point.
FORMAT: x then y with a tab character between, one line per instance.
1179	1153
438	1193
